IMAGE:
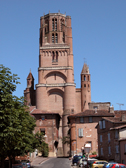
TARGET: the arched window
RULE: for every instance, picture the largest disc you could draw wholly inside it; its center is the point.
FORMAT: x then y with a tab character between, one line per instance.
88	78
61	24
56	56
63	37
55	24
84	78
54	76
52	37
56	38
53	56
52	24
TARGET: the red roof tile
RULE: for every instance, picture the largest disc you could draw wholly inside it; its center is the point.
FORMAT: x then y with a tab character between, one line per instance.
93	113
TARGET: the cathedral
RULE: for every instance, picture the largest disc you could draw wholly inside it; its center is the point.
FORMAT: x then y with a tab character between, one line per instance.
55	98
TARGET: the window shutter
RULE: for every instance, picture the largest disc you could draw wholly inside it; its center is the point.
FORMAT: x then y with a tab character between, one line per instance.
117	148
102	151
103	123
109	137
109	150
100	138
80	132
125	147
100	124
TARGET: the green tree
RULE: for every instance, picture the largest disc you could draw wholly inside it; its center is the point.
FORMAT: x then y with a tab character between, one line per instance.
41	145
16	125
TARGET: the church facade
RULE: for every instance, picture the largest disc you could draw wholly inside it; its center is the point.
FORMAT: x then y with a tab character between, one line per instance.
56	97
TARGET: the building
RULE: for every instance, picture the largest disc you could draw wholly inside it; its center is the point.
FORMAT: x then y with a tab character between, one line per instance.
111	137
56	97
83	131
122	143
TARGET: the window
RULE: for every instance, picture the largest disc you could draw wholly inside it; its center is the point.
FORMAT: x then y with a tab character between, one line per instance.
123	161
43	117
90	120
81	119
88	78
80	132
108	137
125	147
117	148
102	151
84	78
52	37
116	134
56	38
53	56
52	24
85	85
100	124
100	138
42	130
95	107
109	150
61	24
103	124
56	56
55	24
63	37
54	76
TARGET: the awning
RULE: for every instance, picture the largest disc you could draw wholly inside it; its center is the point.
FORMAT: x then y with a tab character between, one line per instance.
88	145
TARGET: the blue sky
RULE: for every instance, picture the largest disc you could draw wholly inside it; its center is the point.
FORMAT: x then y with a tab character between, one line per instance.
99	36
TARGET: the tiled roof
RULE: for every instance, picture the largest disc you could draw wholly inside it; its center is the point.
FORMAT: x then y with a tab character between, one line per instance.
94	113
118	127
114	119
85	69
122	139
37	111
30	75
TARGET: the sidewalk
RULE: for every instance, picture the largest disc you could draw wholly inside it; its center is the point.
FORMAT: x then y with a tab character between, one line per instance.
38	160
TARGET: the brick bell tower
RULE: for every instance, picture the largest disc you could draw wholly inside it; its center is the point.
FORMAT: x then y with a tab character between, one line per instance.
55	90
85	87
29	93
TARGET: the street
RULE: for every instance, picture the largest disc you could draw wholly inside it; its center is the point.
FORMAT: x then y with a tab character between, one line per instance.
56	163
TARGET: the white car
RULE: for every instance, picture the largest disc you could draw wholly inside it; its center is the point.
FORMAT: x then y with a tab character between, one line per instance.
86	162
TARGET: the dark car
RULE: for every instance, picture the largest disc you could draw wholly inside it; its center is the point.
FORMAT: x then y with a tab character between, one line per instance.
26	162
17	166
76	158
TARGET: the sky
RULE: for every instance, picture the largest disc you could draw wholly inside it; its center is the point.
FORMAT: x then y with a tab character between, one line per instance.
99	39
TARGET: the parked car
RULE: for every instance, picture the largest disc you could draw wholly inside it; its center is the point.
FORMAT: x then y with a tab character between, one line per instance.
109	164
91	161
86	162
17	166
75	159
99	163
27	162
118	165
83	162
24	164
